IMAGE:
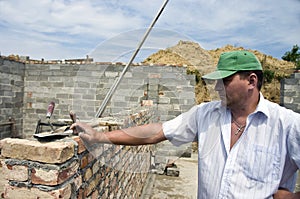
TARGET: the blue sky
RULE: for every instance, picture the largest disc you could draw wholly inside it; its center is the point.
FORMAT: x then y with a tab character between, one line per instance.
110	30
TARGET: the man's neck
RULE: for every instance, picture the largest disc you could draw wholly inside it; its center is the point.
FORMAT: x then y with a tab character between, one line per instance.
245	110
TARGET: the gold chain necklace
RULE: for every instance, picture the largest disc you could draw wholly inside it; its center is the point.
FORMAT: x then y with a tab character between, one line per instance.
239	127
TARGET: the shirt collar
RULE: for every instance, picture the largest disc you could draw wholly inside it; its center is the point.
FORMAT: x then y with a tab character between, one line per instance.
262	106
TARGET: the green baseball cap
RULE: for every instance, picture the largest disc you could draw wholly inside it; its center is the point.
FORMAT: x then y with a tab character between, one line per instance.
231	62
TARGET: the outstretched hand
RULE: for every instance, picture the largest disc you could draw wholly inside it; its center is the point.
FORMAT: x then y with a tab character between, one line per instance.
139	135
86	132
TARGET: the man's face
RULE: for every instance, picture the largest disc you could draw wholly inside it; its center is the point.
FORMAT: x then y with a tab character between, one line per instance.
232	90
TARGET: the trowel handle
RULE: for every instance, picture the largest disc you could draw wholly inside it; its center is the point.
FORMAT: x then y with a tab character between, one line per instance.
73	116
50	110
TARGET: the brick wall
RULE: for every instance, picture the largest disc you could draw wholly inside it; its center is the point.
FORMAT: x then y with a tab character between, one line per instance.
65	168
290	92
11	97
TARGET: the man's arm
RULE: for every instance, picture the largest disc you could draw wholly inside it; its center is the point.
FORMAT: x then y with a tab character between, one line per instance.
285	194
139	135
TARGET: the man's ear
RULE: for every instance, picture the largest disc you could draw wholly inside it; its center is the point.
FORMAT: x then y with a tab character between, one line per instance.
253	79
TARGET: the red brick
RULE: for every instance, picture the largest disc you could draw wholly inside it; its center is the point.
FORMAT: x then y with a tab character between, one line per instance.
22	192
48	152
15	172
53	176
91	186
81	147
88	174
84	161
3	181
81	194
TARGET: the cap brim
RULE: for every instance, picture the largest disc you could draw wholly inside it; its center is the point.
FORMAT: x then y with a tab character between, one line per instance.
218	74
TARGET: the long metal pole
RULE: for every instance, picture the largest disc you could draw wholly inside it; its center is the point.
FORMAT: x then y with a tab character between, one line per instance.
118	80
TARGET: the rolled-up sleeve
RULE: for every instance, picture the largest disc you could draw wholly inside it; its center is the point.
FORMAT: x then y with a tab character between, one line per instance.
183	128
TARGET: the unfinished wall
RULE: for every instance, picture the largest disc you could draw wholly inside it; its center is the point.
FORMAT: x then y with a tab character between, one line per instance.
27	89
11	98
64	168
82	88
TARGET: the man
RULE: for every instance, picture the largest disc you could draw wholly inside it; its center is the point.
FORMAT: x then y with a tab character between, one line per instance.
249	147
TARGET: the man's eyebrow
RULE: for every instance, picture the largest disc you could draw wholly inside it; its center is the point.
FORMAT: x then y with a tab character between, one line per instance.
228	78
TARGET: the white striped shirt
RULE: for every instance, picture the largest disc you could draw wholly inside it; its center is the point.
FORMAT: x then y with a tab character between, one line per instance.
266	156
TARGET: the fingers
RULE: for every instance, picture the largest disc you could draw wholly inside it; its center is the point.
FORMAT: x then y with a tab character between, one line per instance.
82	129
87	133
78	127
74	128
84	136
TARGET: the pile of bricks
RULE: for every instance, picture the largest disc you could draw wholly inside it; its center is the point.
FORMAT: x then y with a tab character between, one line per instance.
66	168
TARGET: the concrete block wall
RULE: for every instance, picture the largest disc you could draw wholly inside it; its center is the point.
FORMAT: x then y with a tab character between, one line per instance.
290	92
11	97
82	88
66	168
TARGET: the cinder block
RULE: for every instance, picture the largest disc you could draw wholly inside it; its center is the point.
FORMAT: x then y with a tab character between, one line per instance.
297	75
172	171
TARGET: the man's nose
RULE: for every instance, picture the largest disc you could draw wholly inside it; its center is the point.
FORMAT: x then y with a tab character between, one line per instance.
219	85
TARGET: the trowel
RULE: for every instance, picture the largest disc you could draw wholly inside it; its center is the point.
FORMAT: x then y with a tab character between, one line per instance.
59	132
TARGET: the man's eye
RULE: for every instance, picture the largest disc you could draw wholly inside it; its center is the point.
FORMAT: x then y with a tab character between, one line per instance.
226	81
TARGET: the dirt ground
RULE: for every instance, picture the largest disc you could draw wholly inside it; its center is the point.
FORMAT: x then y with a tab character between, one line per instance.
182	187
297	189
